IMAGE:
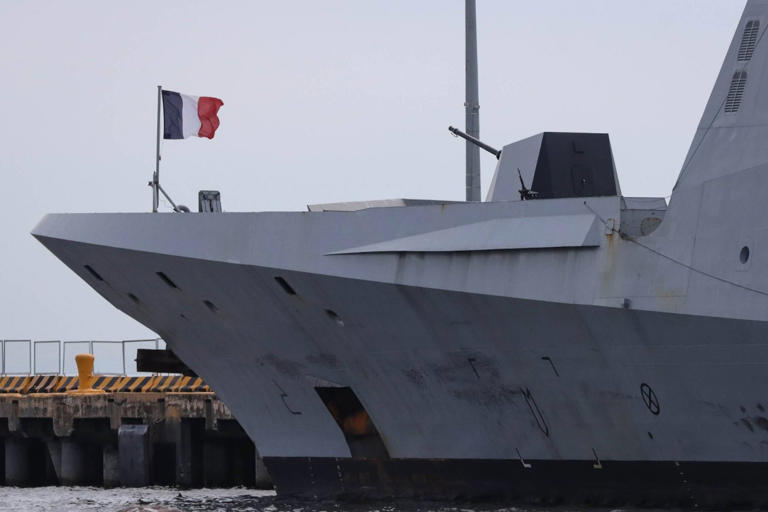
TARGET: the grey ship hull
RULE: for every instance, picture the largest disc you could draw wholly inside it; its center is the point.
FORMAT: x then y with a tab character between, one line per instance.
552	348
474	395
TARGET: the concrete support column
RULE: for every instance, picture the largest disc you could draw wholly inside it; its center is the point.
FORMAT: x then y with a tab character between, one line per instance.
74	463
54	453
134	454
18	470
187	454
241	464
262	480
2	460
215	464
110	466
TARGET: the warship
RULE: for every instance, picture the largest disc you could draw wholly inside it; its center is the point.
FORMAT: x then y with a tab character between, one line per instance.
557	341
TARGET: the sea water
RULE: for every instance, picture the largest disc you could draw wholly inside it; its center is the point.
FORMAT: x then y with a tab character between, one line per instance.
165	499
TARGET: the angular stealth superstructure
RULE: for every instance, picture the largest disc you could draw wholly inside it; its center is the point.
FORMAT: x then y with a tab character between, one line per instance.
577	345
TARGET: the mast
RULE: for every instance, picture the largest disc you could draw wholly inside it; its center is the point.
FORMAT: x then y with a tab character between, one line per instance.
155	183
471	103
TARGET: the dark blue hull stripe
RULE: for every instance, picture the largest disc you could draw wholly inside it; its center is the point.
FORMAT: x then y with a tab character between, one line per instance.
709	485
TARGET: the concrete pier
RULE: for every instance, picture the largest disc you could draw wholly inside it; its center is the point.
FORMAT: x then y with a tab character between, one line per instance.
125	439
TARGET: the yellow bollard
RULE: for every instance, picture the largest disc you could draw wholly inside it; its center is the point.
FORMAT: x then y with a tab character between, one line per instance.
85	376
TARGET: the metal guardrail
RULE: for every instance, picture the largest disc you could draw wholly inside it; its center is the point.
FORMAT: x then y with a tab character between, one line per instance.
28	357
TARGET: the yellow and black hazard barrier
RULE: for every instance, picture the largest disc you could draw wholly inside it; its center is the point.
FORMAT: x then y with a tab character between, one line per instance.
14	384
66	384
100	383
104	383
167	383
42	383
190	385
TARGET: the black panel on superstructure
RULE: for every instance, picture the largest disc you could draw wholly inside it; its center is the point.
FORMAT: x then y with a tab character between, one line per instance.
574	165
161	361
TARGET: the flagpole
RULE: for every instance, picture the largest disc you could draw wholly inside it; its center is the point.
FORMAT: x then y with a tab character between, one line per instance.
156	177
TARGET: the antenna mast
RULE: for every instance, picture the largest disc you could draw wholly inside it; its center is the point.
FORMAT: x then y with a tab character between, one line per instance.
471	104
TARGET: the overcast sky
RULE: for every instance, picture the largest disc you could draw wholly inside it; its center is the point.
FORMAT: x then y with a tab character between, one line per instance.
323	101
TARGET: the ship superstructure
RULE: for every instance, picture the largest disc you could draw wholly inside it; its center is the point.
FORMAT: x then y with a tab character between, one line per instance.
558	340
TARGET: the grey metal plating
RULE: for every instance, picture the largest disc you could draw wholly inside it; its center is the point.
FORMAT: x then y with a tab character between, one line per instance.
449	318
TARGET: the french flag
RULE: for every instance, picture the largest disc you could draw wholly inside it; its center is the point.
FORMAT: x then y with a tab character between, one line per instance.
186	116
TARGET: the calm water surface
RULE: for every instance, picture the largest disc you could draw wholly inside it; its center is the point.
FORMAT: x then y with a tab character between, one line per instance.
164	499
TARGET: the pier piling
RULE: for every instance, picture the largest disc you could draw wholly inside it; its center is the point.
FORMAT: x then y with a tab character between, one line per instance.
17	462
134	456
184	439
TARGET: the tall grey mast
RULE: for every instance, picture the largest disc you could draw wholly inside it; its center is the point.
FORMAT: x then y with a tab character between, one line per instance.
155	183
471	104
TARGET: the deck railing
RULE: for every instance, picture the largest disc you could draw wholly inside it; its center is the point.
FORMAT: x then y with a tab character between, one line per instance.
56	357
